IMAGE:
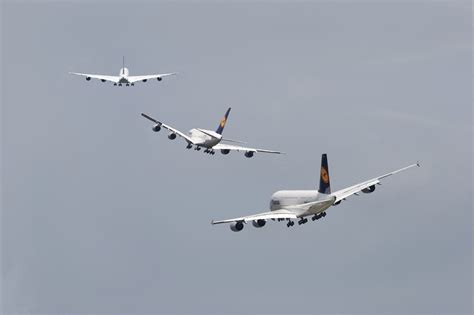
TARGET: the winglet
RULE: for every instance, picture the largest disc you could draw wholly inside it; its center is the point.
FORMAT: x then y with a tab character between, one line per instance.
418	163
221	126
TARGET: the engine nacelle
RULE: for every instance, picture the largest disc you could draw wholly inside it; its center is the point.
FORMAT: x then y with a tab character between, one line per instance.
102	80
156	128
337	202
88	78
259	223
237	226
172	136
159	79
369	189
249	154
144	80
225	151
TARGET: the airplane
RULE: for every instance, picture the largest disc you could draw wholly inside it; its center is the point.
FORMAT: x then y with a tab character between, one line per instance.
299	204
124	77
209	140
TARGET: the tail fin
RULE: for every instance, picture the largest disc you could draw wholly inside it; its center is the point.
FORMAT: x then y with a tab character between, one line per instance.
324	185
221	126
123	64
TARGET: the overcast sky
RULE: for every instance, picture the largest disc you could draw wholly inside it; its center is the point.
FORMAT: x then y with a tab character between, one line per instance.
102	215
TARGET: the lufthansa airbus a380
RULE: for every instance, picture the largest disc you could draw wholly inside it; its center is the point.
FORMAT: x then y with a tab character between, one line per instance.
207	139
299	204
124	77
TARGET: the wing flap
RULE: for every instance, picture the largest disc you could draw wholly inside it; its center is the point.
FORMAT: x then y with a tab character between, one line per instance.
110	78
135	78
277	214
225	146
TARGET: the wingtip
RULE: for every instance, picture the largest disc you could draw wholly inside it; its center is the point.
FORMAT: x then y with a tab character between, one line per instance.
418	163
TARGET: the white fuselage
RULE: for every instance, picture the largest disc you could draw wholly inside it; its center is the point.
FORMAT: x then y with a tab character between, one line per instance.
205	138
287	198
124	75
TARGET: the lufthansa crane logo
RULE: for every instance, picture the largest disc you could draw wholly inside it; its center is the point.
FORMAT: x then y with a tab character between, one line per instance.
223	122
324	175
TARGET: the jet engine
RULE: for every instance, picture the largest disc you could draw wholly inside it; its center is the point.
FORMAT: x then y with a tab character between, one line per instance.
156	128
172	136
225	151
237	226
249	154
102	80
369	189
159	79
88	78
144	80
259	223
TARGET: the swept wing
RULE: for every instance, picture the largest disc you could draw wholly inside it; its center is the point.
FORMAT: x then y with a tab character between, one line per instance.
174	130
110	78
349	191
135	78
225	146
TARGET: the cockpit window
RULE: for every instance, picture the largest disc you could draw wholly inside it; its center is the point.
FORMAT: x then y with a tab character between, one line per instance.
276	202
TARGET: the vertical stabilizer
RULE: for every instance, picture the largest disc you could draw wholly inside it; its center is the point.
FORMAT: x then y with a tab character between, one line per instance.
123	65
324	184
221	126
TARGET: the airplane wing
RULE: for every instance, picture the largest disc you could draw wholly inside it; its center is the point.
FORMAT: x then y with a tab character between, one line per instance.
367	185
290	212
135	78
277	214
110	78
173	130
224	146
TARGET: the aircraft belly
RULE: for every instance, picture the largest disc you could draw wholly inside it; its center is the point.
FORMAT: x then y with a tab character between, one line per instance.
210	143
320	207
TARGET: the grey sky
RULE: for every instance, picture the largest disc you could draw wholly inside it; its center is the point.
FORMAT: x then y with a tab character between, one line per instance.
101	215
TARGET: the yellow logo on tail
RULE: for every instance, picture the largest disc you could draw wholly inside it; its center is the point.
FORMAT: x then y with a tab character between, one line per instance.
324	175
223	121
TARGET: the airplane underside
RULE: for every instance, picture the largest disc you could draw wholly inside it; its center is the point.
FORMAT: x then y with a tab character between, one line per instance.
303	219
207	149
124	81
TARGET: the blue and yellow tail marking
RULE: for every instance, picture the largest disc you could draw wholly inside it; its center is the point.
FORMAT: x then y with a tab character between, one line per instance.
221	126
324	184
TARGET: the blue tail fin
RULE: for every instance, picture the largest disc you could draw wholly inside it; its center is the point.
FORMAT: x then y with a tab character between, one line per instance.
222	123
324	185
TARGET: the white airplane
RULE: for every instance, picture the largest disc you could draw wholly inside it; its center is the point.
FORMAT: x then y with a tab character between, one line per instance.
124	77
298	204
207	139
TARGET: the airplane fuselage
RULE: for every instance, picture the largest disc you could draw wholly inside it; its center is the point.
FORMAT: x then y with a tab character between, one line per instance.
124	75
286	198
205	138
